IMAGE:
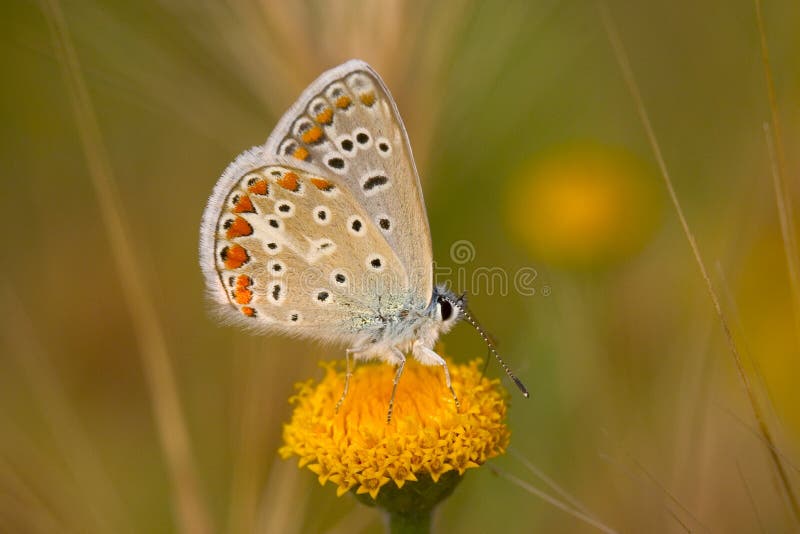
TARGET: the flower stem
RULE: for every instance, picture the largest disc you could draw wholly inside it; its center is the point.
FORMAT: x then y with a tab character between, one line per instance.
409	510
416	522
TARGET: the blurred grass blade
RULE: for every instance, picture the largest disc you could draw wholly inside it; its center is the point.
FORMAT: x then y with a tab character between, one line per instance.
93	485
284	501
250	442
36	490
783	202
574	502
778	160
750	497
622	59
787	462
552	500
190	510
665	491
662	491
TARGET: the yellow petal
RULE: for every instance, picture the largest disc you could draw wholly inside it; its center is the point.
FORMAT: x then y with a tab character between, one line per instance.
427	436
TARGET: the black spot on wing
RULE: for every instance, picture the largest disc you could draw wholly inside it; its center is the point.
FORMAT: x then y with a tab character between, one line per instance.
374	181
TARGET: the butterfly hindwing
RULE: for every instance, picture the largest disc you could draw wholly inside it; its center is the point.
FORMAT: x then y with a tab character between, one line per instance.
346	124
290	249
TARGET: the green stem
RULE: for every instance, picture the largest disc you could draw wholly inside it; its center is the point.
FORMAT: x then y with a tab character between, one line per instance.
409	510
417	522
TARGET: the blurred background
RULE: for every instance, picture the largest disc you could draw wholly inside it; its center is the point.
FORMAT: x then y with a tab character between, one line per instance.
124	407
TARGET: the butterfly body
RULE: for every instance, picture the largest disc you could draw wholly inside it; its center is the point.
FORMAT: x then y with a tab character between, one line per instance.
322	233
407	329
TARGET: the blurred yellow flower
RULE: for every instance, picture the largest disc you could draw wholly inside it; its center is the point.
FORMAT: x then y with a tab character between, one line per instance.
764	303
583	205
427	437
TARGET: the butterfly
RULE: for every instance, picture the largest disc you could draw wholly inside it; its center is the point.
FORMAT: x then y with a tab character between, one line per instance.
322	233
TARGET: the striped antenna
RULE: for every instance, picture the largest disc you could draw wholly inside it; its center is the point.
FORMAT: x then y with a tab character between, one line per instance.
489	344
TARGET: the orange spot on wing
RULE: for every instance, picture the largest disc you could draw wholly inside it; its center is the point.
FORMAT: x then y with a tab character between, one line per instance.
289	181
301	153
248	311
239	228
325	117
244	205
234	256
343	102
312	135
243	281
243	295
322	184
367	98
259	188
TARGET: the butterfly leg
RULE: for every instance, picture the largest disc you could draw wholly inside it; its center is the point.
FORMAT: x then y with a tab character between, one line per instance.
402	359
347	358
431	356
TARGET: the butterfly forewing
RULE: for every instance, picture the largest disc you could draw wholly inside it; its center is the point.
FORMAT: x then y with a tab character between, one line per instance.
294	251
347	124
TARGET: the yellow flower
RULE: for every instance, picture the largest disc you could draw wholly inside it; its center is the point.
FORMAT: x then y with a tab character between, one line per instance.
583	205
427	438
764	298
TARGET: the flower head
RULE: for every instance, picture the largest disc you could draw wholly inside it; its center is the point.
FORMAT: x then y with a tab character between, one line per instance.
427	438
583	205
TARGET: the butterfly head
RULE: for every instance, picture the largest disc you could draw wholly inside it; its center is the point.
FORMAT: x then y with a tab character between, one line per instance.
447	308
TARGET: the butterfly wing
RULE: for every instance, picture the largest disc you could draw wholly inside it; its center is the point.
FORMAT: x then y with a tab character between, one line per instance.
346	123
289	248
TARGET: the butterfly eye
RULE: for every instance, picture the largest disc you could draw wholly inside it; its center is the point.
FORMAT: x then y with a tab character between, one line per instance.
445	308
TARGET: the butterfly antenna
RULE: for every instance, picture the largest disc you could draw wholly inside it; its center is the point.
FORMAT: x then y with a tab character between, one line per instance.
489	344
